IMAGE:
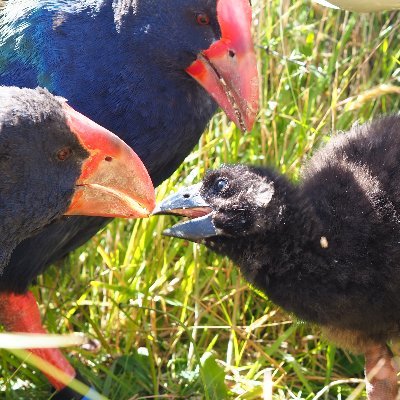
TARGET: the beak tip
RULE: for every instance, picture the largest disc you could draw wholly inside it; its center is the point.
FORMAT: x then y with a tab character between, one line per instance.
146	212
157	210
168	232
248	128
144	215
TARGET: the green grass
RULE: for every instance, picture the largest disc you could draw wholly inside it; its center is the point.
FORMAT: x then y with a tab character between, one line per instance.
171	317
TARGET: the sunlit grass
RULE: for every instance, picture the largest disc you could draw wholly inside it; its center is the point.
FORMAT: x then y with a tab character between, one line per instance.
170	315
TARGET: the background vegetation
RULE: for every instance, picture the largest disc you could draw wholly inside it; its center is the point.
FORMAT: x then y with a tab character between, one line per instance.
175	321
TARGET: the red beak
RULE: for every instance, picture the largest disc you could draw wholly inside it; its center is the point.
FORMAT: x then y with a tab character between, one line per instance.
113	182
228	68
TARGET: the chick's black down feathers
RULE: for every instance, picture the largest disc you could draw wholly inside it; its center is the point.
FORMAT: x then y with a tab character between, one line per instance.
328	249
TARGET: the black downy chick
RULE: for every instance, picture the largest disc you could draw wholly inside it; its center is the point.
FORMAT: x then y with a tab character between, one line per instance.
54	162
327	250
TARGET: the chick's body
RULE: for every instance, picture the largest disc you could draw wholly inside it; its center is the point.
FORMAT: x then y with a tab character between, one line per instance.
327	249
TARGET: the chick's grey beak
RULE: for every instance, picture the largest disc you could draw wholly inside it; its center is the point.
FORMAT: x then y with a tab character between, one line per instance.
189	203
194	230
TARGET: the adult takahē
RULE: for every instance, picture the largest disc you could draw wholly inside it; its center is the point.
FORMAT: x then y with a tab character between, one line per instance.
55	161
151	71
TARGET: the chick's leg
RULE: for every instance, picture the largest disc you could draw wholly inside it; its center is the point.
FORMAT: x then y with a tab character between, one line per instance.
381	373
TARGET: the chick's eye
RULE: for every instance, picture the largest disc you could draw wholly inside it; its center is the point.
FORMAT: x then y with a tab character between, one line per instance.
64	153
220	185
203	19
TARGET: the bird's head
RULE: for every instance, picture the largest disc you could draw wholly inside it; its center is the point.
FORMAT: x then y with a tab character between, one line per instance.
231	202
208	39
55	161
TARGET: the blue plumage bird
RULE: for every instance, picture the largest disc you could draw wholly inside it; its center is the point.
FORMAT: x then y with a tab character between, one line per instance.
151	71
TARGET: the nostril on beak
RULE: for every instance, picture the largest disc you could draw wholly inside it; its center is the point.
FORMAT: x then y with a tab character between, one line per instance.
231	53
186	195
108	158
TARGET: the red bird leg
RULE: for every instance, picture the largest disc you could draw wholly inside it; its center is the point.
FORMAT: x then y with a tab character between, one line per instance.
381	374
20	313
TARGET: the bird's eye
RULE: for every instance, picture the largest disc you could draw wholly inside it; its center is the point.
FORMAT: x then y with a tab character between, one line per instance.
220	184
64	153
203	19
